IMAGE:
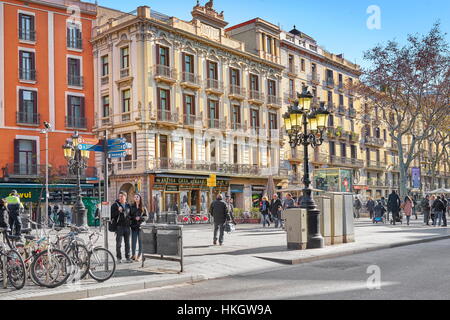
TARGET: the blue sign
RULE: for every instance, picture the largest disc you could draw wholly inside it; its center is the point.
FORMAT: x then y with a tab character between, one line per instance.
112	142
120	147
90	147
117	154
415	178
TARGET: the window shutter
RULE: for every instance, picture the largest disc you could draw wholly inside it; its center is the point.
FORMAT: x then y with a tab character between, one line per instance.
20	21
34	154
231	76
21	100
184	104
168	106
159	98
69	106
35	102
157	54
32	23
183	64
207	69
21	59
167	56
193	106
33	61
82	107
16	152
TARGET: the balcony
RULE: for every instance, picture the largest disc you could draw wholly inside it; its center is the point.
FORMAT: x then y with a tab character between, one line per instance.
292	71
27	74
376	165
329	83
105	121
341	110
105	80
236	92
353	137
289	97
75	80
351	112
373	182
76	123
330	106
314	78
393	146
124	72
374	142
27	35
23	170
237	126
167	116
28	118
273	101
216	124
341	86
346	162
75	43
256	97
190	80
214	86
165	74
191	120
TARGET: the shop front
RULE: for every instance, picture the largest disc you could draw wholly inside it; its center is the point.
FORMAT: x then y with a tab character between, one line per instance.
333	180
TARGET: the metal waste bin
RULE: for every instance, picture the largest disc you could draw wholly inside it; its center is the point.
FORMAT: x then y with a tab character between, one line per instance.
148	239
161	218
172	217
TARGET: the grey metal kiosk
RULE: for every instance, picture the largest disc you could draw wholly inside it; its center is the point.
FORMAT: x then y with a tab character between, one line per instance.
162	242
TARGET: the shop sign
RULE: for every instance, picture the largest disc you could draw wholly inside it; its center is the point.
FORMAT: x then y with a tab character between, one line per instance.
26	195
158	187
171	188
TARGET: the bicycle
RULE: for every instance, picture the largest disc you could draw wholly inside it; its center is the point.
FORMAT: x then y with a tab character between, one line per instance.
15	268
102	264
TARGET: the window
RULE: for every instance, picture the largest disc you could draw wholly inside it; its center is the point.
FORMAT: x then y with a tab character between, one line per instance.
27	66
164	100
302	64
235	78
212	70
377	132
350	103
291	88
330	97
329	76
254	118
331	121
354	152
384	135
189	109
126	101
343	150
352	126
332	148
235	152
269	44
271	88
105	106
25	157
26	27
313	67
255	155
74	72
27	107
163	56
105	66
341	100
188	63
291	63
236	116
163	150
254	82
75	112
340	79
213	109
124	58
74	38
273	125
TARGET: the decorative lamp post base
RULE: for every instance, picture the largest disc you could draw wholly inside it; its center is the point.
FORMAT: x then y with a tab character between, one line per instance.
315	239
80	214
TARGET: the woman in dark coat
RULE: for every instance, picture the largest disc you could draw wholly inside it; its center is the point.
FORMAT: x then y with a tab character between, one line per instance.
138	215
394	203
264	209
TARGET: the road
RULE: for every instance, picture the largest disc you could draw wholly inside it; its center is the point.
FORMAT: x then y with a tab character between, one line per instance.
413	272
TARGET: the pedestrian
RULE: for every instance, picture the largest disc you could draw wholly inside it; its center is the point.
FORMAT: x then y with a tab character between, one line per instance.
383	203
4	214
414	200
138	215
120	216
14	208
433	213
425	204
264	209
357	205
444	214
229	202
275	210
408	206
288	202
394	203
61	217
379	210
219	211
439	208
370	207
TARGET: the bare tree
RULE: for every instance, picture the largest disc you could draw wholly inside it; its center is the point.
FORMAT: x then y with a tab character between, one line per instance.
410	87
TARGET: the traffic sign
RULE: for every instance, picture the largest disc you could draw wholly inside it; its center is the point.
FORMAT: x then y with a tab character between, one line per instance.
90	147
92	141
119	147
112	142
117	154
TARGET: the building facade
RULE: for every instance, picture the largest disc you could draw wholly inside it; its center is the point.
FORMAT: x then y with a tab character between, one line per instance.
46	74
192	102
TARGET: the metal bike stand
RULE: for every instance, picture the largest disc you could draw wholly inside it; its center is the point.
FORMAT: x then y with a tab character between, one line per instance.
5	272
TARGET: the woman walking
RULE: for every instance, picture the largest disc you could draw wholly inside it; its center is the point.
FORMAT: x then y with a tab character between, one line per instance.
138	215
407	208
264	209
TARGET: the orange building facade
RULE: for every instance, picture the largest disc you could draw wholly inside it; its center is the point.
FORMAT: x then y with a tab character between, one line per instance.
46	74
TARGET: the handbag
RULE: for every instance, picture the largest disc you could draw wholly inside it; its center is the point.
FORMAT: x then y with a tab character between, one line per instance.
229	227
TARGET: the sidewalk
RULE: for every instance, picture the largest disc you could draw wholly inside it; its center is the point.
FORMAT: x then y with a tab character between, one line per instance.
249	249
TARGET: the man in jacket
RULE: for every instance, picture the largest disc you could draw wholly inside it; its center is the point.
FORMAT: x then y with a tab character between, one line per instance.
444	214
219	210
394	203
14	208
275	210
425	204
370	207
439	208
357	206
120	214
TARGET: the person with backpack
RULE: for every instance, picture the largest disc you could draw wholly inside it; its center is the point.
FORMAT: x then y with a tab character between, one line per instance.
264	209
138	215
439	208
357	206
120	224
444	214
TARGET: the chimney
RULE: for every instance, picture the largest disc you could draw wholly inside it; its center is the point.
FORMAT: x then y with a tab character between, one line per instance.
143	12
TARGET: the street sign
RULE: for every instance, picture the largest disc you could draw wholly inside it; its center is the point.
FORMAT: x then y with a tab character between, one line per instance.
90	147
112	142
119	147
211	181
92	141
117	154
106	211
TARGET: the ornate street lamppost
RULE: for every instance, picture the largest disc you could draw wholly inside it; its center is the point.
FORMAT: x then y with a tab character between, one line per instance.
77	161
305	125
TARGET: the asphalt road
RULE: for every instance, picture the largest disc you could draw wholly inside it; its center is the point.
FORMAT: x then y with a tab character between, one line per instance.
414	272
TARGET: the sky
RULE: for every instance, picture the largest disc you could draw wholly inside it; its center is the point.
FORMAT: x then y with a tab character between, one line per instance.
338	26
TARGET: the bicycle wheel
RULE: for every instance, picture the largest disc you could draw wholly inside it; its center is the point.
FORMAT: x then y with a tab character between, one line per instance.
102	264
15	267
79	255
51	268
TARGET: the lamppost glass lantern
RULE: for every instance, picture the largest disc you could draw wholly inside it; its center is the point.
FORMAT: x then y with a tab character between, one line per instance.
305	99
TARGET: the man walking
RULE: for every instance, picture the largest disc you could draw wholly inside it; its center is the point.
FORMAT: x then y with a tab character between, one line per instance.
439	209
14	208
357	205
219	210
370	207
275	210
444	214
120	215
425	204
394	203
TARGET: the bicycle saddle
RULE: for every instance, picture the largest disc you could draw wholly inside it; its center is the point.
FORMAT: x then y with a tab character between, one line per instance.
13	237
27	230
29	237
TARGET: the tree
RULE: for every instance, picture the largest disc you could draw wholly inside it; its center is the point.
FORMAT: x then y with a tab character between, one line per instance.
410	87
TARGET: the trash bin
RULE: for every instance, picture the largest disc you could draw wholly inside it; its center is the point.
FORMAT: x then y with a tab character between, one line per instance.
169	240
148	239
161	218
172	217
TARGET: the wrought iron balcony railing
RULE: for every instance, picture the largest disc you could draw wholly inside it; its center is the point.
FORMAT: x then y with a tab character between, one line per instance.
28	118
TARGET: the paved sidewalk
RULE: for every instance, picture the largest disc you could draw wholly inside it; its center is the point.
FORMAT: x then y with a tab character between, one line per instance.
249	249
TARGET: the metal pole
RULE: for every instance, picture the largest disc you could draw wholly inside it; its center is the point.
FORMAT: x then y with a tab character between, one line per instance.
105	189
46	179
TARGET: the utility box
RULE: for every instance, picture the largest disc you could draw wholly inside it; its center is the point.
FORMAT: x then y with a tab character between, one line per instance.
337	210
324	205
296	228
348	219
172	217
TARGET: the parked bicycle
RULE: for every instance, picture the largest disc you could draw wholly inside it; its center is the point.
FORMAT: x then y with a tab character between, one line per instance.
15	267
102	264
